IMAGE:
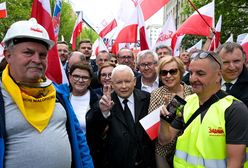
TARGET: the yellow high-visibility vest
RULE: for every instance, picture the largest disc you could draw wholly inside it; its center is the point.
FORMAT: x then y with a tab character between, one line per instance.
203	143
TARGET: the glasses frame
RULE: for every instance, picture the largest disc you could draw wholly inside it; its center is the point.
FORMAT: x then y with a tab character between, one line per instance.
171	72
77	78
149	65
203	55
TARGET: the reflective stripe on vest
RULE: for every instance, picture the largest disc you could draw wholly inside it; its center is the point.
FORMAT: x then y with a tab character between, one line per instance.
203	143
194	160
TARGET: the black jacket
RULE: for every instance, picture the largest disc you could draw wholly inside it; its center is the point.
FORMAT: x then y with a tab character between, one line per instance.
122	143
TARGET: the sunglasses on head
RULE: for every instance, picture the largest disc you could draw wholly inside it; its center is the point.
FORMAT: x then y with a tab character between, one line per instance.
203	55
171	71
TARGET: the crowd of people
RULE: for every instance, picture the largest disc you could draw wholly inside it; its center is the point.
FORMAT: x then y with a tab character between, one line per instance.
93	121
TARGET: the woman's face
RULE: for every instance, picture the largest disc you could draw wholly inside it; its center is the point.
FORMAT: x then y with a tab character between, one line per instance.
170	75
80	81
105	76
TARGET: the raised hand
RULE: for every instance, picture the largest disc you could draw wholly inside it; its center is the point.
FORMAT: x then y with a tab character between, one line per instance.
106	102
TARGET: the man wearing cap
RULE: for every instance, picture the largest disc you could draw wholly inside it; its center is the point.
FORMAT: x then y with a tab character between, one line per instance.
218	135
38	127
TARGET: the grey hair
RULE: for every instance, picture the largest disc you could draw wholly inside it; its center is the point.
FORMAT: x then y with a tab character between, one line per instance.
164	46
229	47
122	68
144	53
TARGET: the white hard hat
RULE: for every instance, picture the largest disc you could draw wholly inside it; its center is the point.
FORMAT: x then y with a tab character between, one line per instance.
29	29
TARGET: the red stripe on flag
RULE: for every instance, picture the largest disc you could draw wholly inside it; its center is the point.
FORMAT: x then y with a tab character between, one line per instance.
150	7
143	41
3	13
153	131
76	33
44	18
108	28
128	34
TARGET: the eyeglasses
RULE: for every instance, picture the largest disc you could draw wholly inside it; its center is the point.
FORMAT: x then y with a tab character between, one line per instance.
171	71
113	61
126	57
149	64
78	77
105	75
203	55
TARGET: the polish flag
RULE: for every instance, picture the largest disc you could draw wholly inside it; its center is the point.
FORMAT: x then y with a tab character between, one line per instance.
197	46
76	31
177	48
56	18
167	31
108	28
42	12
215	43
151	123
230	39
195	25
142	30
150	7
244	44
99	45
3	10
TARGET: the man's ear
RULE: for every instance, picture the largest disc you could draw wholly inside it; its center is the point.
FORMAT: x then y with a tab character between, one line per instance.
6	54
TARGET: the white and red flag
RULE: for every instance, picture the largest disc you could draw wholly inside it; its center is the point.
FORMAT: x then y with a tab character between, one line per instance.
41	10
142	30
167	31
3	10
99	45
230	38
215	43
109	27
197	24
151	123
76	30
56	18
244	44
197	46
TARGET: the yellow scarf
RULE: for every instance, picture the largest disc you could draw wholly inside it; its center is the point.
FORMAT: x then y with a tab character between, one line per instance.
36	110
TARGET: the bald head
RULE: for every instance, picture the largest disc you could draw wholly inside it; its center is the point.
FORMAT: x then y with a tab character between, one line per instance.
76	57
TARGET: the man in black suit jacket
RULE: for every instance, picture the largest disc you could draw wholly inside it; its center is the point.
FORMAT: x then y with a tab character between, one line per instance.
234	71
127	144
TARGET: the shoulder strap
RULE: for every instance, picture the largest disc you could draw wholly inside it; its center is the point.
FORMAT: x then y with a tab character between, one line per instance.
2	116
219	95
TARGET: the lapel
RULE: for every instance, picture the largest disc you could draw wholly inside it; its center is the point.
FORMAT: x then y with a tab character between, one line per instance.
117	109
138	104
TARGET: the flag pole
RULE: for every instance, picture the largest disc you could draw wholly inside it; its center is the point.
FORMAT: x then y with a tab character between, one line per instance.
191	3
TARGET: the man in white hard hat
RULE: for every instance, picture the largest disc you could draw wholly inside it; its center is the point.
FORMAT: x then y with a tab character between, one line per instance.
38	127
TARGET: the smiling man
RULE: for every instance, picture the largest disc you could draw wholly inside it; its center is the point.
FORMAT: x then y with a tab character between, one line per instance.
128	145
38	127
235	74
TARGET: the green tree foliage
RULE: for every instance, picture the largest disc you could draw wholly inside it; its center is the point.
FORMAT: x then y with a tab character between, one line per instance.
234	18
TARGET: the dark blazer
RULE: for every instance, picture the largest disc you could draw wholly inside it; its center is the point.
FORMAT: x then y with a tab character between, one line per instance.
122	144
138	83
240	88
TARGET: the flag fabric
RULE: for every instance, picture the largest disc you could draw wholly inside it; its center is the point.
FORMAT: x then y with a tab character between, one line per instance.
108	28
150	7
167	31
195	25
76	31
197	46
230	39
1	49
244	44
3	10
142	30
42	12
177	48
99	45
215	43
151	123
241	37
56	18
